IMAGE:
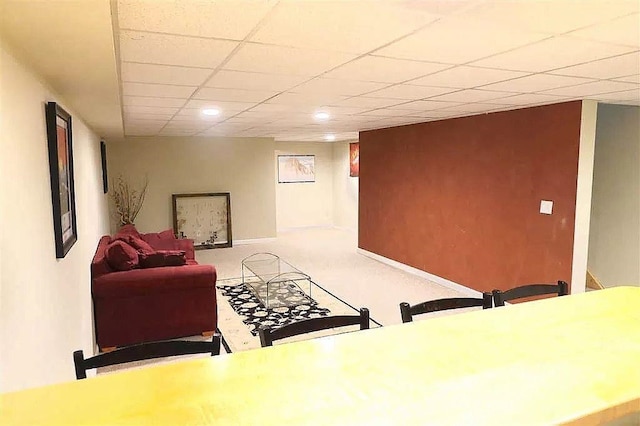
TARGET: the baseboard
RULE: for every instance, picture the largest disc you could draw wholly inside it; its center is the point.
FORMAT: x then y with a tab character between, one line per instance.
254	241
420	273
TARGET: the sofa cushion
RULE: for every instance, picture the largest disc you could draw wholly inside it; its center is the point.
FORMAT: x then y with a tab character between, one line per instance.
163	258
164	240
121	256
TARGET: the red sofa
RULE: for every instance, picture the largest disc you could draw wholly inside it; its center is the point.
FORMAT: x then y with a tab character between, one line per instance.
142	305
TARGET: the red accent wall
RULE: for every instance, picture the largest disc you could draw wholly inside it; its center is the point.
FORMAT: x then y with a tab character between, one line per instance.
460	198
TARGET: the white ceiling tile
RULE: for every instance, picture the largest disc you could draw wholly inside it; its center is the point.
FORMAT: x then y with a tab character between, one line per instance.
254	81
469	95
594	88
157	90
557	52
529	99
196	116
365	102
314	100
536	83
151	101
425	105
135	122
409	92
173	50
630	79
473	108
384	70
221	105
332	86
149	109
342	26
163	74
285	60
386	112
554	17
617	66
146	116
627	95
624	31
457	41
223	19
268	109
233	95
464	77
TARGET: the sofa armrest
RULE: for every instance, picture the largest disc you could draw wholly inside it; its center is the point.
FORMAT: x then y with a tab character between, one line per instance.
142	282
187	246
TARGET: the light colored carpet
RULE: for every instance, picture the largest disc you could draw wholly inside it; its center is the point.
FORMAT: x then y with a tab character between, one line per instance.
329	257
238	335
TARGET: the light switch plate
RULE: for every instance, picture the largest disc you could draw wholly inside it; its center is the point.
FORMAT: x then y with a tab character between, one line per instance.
546	207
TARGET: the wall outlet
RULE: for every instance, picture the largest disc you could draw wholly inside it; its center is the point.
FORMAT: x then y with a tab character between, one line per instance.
546	207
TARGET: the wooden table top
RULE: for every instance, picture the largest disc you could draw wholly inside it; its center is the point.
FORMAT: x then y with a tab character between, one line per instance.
573	359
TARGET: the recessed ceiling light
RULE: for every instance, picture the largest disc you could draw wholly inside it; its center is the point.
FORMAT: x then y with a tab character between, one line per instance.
211	111
321	115
330	138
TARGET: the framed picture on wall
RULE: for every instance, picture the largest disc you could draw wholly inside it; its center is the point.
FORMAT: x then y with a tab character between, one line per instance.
59	138
354	159
103	156
204	218
296	168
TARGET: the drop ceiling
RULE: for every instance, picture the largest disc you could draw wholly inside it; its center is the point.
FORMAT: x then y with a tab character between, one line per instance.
268	66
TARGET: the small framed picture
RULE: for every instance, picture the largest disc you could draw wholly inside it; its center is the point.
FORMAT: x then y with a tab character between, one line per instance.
296	168
59	137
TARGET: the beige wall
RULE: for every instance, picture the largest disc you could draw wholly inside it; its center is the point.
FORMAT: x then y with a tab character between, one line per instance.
614	244
46	309
345	189
174	165
306	204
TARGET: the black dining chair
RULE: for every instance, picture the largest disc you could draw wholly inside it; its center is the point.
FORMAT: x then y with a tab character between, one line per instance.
267	336
144	351
499	297
408	311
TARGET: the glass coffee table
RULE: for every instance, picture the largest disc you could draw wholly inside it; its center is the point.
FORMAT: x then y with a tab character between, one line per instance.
275	282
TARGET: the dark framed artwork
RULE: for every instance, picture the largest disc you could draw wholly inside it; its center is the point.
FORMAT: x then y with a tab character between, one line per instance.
103	157
60	140
354	159
296	168
204	218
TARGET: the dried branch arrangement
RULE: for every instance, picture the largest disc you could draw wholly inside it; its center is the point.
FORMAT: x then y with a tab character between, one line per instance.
127	200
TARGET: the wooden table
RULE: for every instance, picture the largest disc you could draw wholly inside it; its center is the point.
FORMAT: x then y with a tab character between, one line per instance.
573	359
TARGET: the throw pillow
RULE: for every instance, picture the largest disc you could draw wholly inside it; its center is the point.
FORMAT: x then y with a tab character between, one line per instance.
126	231
121	256
139	244
163	258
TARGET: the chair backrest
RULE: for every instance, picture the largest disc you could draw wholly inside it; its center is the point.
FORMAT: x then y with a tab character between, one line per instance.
267	336
407	311
499	297
144	351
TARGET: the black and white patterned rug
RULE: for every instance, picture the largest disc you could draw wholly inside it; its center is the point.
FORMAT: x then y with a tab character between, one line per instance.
291	305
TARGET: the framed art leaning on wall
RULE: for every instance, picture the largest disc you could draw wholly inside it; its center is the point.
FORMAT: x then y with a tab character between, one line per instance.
204	218
63	200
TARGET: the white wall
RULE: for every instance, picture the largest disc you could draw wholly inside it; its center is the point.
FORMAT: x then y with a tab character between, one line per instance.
345	189
614	244
174	165
46	310
305	204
